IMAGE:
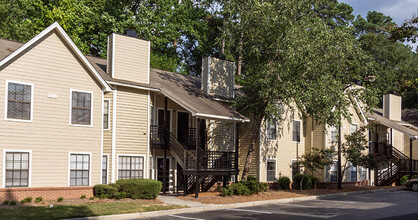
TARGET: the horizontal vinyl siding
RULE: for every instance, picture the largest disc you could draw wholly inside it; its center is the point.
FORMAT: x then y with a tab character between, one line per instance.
131	58
53	69
220	136
244	144
107	135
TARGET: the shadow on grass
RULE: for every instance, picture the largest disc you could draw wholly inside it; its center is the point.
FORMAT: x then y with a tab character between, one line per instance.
57	212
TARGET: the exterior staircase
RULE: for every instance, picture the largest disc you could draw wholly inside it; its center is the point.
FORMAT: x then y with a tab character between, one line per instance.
398	164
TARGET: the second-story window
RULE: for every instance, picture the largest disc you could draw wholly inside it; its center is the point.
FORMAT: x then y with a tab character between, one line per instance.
334	134
106	114
296	131
271	129
19	101
81	108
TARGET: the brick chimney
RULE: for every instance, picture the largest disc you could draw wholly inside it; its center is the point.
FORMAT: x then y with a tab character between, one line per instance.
128	58
392	107
218	77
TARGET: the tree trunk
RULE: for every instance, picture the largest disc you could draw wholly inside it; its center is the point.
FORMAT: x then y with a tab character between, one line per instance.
255	134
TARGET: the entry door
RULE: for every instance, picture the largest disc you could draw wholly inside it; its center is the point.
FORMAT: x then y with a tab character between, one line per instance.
160	162
182	125
180	180
161	118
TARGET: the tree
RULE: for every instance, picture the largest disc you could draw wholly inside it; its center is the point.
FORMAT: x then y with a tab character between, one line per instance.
291	55
316	159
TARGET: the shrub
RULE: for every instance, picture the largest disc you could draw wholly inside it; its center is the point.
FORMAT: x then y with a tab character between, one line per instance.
406	178
7	202
91	198
121	195
82	196
314	181
283	182
26	200
240	189
226	191
140	188
12	203
255	186
109	191
60	199
38	199
305	179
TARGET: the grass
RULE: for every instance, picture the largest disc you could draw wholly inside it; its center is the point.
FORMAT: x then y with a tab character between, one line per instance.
74	211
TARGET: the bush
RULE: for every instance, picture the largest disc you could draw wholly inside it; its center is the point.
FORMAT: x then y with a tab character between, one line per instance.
140	188
109	191
26	200
82	196
254	186
91	198
60	199
12	203
305	179
38	199
406	178
226	191
283	182
314	181
121	195
7	202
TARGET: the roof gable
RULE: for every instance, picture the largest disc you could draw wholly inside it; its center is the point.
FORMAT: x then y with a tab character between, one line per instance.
68	41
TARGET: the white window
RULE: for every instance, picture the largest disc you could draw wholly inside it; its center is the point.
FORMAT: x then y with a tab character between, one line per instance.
353	128
353	173
271	170
105	162
271	129
296	131
334	134
19	101
79	169
331	172
363	173
17	169
130	167
106	114
81	108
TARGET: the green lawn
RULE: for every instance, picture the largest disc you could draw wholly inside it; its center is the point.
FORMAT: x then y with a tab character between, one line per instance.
84	210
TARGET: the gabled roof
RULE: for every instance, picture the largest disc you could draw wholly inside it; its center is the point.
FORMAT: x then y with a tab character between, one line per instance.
13	50
376	115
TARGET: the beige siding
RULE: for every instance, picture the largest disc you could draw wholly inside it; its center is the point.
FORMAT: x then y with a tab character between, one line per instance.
54	71
220	136
131	59
392	107
221	77
414	147
204	84
107	135
244	144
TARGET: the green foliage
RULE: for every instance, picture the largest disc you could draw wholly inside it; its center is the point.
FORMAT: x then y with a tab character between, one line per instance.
12	202
6	202
91	198
316	159
109	191
302	181
283	183
226	191
26	200
254	185
406	178
39	199
140	188
60	199
121	195
103	196
82	196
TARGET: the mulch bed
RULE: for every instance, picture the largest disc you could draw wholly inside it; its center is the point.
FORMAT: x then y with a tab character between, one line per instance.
215	198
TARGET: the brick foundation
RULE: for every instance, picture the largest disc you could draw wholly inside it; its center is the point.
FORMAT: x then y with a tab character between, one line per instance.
47	193
333	185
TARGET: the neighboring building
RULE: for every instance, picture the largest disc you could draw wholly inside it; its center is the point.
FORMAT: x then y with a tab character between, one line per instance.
72	121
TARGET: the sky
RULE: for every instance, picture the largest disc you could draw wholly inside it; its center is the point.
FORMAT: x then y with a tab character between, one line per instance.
399	10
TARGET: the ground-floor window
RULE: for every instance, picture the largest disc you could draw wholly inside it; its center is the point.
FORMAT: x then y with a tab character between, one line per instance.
79	169
353	173
17	169
271	170
331	172
363	173
295	168
105	162
131	167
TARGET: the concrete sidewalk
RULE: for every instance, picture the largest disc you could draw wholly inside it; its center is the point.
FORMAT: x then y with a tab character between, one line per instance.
199	207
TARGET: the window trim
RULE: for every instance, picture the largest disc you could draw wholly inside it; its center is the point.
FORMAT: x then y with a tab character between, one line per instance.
69	166
275	168
356	124
325	175
108	114
30	166
91	109
107	168
300	133
267	128
6	98
129	155
330	134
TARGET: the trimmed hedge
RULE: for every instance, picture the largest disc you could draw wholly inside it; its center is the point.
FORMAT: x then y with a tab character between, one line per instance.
140	188
105	191
283	183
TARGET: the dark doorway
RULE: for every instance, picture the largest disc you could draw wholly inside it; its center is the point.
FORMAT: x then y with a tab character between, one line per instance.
161	171
161	118
180	178
182	127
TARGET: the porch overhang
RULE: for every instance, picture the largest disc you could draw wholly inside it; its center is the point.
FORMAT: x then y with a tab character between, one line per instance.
374	117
